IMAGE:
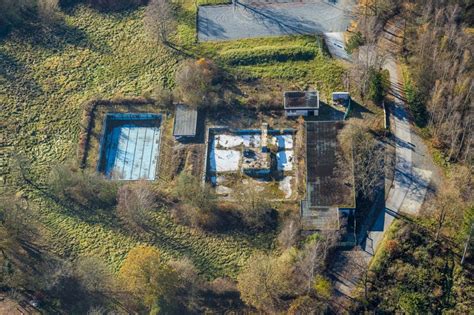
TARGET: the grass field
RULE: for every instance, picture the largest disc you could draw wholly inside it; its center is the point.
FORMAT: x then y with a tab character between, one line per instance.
46	76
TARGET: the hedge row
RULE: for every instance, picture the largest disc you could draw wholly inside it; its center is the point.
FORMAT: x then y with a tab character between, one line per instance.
267	54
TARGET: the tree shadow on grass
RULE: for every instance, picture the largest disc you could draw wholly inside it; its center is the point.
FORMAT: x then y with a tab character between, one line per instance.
104	6
70	207
54	36
57	37
179	242
16	74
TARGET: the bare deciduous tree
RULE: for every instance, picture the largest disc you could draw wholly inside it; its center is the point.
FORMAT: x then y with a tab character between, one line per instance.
134	203
312	258
190	284
446	208
159	20
253	205
94	275
289	233
366	154
163	96
48	10
198	83
443	77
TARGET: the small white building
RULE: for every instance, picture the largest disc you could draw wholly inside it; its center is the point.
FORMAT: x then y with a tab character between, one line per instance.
341	99
301	103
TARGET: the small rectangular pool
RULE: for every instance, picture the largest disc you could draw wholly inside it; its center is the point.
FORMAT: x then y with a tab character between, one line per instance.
130	146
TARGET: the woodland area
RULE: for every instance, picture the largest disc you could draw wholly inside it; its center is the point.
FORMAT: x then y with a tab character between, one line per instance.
419	269
437	47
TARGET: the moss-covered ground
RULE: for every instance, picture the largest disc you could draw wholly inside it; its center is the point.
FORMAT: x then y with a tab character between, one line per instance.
49	72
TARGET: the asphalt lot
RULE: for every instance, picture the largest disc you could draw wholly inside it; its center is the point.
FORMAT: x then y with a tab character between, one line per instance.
226	22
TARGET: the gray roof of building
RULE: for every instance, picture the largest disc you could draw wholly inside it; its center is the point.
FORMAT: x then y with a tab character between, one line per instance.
185	121
301	100
330	179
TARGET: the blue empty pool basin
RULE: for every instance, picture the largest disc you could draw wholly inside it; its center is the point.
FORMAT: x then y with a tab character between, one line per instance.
130	146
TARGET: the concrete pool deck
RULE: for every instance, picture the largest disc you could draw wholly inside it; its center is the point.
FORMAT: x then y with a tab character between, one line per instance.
130	146
227	22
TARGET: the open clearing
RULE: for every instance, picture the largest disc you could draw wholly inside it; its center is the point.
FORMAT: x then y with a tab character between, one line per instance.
225	22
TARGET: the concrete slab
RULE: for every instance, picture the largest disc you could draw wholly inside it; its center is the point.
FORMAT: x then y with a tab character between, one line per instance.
417	192
227	22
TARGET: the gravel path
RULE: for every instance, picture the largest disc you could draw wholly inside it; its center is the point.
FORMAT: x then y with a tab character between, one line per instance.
226	22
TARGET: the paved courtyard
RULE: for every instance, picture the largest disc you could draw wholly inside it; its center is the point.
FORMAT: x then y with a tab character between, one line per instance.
226	22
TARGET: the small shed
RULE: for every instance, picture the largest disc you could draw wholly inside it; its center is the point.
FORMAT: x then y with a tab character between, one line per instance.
301	103
185	122
341	99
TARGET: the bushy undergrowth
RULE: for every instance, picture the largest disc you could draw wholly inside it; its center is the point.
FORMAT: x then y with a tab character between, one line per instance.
414	100
415	274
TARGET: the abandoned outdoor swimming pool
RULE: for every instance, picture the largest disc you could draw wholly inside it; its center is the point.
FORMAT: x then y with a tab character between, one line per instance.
257	157
130	146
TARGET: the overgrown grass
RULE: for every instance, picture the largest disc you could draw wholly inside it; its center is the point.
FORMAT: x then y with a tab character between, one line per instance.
73	234
298	60
266	54
46	76
213	2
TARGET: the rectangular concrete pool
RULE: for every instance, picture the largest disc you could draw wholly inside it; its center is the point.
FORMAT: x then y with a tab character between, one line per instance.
130	146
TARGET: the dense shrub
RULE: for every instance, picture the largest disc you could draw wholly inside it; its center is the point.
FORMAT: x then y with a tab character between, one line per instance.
84	187
378	85
416	105
354	42
199	83
198	206
267	54
189	189
416	275
191	216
